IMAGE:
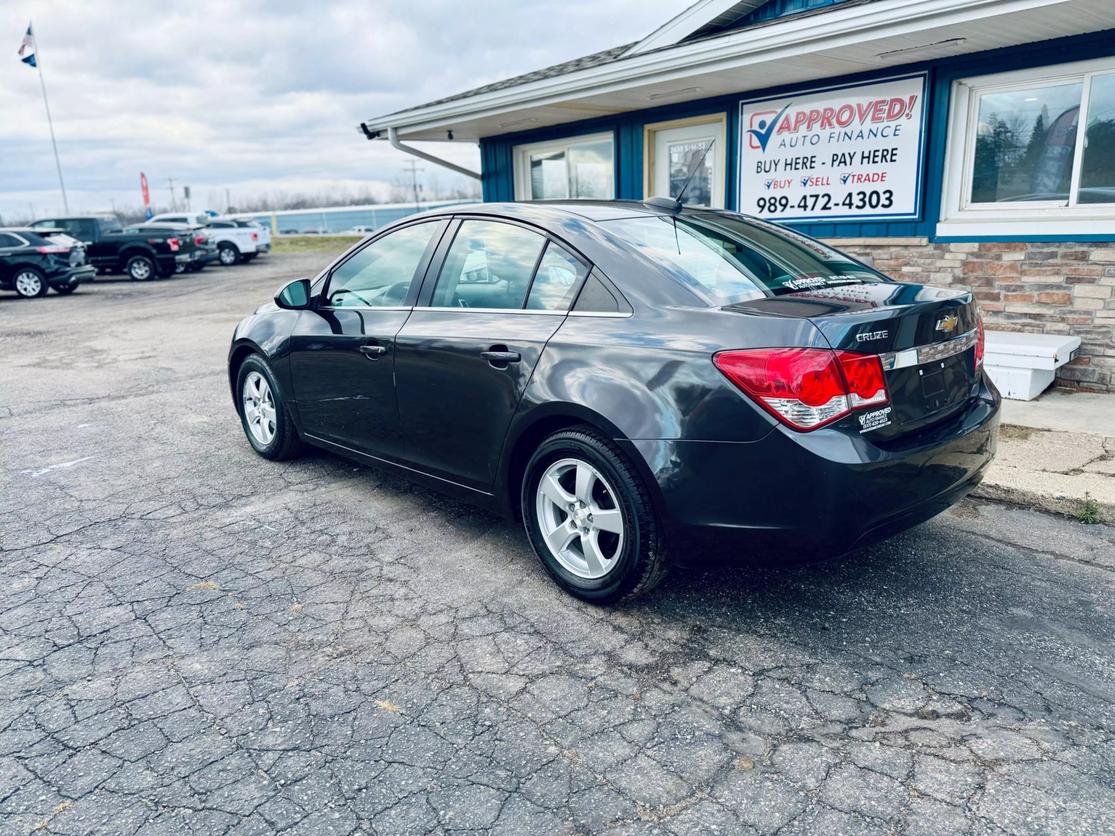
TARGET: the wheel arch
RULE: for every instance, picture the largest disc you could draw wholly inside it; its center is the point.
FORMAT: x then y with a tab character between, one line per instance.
541	422
136	249
240	352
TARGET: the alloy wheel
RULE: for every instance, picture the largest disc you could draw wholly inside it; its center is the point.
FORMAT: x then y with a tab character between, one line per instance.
28	283
259	408
580	518
140	269
227	256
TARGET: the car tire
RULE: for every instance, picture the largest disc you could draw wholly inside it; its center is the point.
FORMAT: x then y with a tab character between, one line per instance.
65	289
30	282
270	431
140	268
228	254
592	525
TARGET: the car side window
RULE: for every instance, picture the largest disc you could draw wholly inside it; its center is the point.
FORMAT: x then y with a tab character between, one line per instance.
8	240
556	281
489	265
380	274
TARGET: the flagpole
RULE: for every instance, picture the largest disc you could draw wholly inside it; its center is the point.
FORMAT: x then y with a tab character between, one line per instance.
50	124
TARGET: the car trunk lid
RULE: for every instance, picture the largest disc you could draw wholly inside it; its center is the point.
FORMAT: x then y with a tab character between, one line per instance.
924	335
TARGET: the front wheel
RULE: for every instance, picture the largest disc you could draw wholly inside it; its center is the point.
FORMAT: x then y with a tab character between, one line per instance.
140	268
590	520
29	283
263	414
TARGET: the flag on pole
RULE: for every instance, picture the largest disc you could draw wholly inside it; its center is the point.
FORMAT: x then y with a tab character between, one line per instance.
27	48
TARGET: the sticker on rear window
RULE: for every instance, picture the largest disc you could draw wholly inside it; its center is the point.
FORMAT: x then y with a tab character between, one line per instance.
869	421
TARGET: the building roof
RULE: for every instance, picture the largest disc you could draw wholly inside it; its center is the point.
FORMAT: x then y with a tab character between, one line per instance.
724	47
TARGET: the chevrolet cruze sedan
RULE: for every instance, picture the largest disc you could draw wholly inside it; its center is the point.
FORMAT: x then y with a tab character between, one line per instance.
621	376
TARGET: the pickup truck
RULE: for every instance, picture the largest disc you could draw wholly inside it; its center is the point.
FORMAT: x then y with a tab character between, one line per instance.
193	241
142	255
234	243
262	229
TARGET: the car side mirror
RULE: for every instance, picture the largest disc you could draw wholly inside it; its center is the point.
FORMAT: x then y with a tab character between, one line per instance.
294	296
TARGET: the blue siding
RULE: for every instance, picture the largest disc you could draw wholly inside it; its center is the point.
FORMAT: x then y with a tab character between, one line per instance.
628	128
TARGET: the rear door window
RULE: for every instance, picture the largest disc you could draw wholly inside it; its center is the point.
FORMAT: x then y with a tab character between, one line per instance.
489	265
9	240
380	274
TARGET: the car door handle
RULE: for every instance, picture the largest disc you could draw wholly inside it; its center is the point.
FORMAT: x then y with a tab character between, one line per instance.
501	357
373	351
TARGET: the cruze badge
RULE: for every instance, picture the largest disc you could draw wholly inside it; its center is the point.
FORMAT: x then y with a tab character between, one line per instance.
948	323
872	335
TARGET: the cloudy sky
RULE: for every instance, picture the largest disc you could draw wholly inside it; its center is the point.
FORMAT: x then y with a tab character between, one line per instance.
259	96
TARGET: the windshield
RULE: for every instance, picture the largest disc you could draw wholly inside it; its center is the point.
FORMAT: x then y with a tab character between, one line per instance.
727	259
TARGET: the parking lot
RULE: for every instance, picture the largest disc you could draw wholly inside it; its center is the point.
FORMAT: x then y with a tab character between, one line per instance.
194	639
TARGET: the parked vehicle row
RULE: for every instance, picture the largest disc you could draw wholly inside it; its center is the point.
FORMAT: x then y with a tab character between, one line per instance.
64	252
238	240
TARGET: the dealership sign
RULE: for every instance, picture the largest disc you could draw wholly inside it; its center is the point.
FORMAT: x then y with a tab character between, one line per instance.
847	153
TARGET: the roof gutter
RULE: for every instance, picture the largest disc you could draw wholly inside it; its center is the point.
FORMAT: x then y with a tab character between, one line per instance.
393	139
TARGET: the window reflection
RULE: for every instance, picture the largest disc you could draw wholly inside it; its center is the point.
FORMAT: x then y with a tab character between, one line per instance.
1025	144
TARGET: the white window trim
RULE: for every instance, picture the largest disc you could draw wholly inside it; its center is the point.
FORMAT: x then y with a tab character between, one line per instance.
521	155
961	218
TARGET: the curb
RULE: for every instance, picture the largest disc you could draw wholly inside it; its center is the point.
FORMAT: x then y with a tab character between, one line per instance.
1055	498
1064	506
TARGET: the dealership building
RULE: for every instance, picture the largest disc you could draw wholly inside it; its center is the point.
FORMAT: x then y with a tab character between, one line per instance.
952	142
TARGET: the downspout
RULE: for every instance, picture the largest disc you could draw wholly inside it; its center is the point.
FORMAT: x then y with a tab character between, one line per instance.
393	139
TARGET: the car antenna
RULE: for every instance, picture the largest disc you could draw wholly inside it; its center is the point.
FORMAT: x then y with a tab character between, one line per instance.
674	204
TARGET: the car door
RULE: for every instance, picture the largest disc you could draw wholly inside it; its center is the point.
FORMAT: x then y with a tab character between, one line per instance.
9	245
467	351
342	351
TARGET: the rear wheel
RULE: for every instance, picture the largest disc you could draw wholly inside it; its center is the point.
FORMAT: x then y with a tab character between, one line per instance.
263	414
29	283
140	268
228	254
590	519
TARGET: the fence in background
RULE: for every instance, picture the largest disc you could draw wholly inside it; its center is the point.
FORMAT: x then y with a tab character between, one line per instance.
338	219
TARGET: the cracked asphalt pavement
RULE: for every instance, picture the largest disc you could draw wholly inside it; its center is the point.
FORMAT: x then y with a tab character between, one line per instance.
196	640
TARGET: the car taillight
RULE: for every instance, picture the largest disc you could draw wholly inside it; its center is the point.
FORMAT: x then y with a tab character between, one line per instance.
53	249
174	244
200	239
980	339
255	236
806	388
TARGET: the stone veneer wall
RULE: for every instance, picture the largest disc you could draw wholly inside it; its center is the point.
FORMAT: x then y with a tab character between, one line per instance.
1040	288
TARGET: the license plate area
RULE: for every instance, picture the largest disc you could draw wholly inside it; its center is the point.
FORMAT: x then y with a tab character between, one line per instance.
943	383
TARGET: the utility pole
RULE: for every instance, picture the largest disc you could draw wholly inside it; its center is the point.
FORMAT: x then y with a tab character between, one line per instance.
173	200
228	202
411	167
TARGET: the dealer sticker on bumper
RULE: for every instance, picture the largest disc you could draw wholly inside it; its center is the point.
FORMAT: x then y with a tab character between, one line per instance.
869	421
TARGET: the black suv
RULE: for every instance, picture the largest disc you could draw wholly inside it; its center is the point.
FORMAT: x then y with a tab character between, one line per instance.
32	262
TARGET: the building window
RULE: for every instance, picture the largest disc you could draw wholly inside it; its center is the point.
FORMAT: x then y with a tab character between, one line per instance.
579	167
1018	162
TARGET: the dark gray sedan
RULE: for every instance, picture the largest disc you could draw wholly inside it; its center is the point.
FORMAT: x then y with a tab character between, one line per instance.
623	376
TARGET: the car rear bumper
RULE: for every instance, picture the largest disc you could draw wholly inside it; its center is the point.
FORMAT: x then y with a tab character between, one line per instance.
74	277
823	492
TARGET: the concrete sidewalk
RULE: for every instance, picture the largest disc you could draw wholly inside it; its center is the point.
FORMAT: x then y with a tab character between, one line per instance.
1057	453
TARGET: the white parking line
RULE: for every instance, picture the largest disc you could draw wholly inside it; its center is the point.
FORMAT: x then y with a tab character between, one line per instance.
59	466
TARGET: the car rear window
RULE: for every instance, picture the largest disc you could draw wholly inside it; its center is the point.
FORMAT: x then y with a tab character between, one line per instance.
726	259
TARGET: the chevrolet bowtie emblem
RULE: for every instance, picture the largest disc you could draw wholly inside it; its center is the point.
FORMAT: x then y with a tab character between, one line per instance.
948	323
